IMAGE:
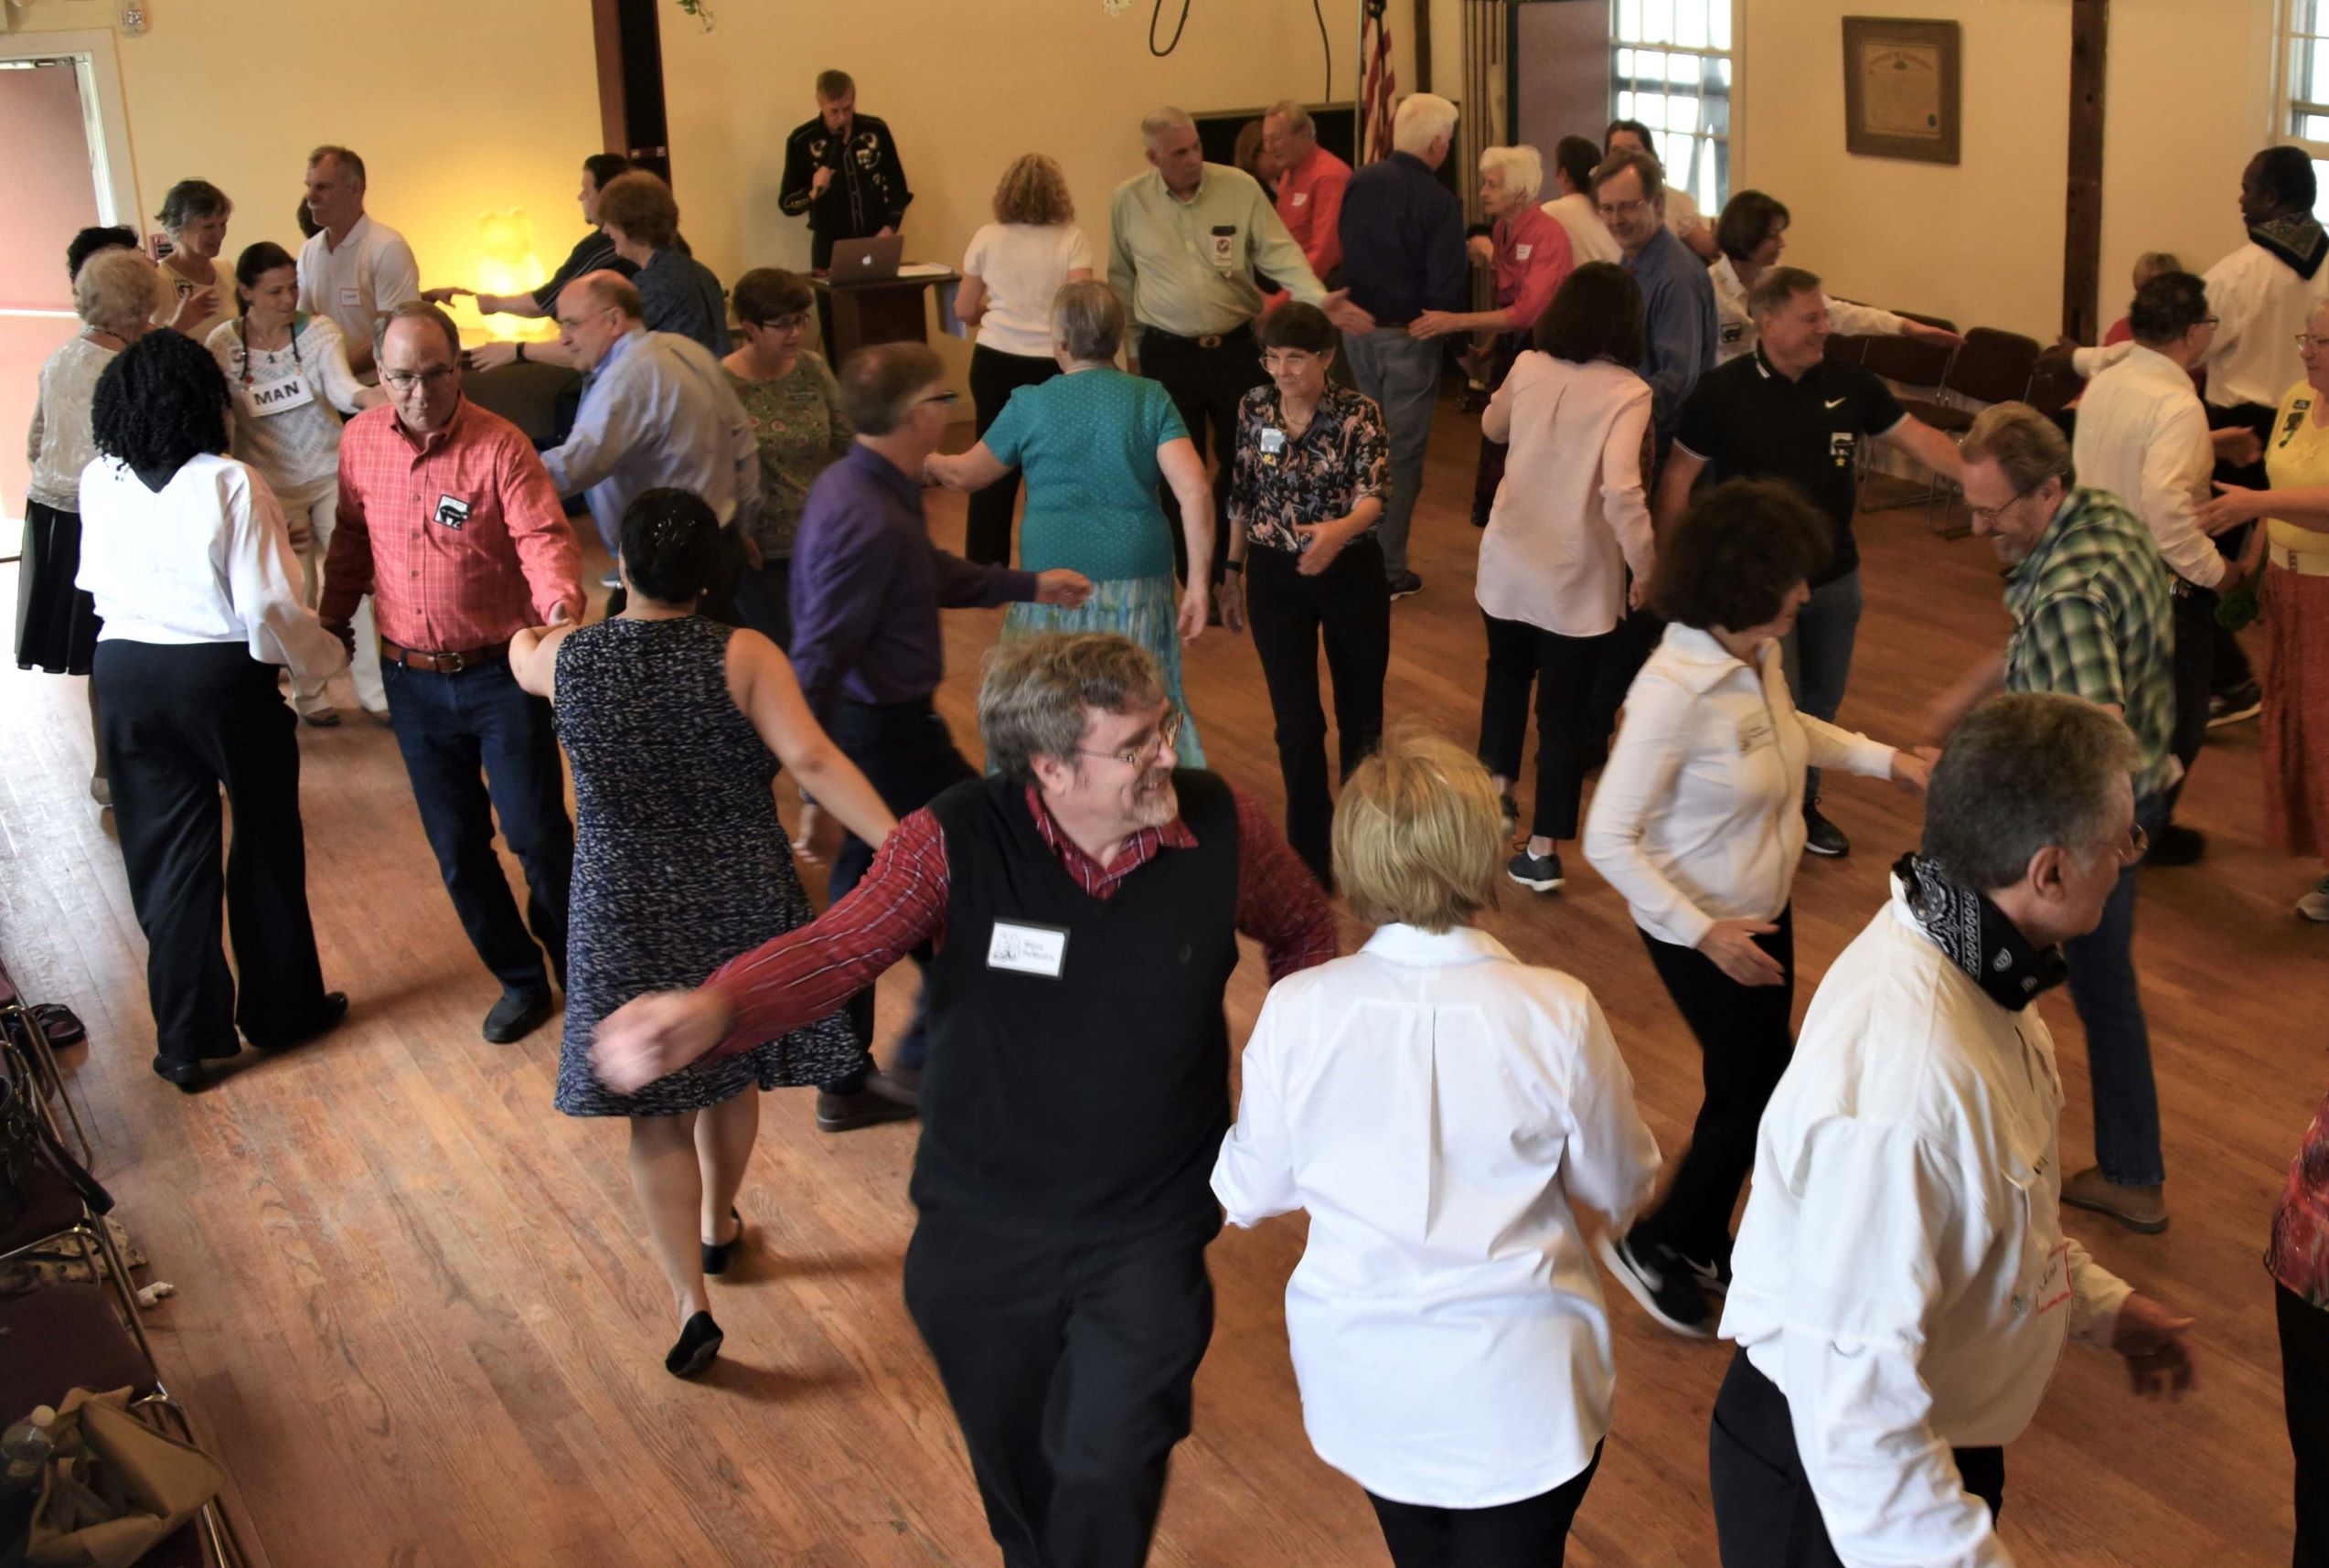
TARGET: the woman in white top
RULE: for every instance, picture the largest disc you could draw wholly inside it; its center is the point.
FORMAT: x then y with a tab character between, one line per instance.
185	551
1752	236
1439	1108
115	292
1570	520
194	215
1698	822
291	383
1012	268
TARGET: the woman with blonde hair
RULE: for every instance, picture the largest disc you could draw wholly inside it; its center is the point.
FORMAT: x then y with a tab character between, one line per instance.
1440	1108
1013	268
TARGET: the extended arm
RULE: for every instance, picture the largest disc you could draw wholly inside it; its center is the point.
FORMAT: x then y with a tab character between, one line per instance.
547	553
972	470
1927	446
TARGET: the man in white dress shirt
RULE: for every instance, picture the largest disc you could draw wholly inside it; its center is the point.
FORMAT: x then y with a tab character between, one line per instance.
2142	435
1901	1288
351	269
1589	238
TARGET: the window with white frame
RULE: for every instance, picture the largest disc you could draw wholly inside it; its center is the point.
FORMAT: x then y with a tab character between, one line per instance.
1670	68
2304	86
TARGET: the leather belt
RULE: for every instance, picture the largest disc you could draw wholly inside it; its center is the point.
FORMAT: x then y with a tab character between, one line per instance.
1211	339
443	663
2304	563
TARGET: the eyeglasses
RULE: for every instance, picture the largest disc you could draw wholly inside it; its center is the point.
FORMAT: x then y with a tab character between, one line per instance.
2132	848
792	322
2307	340
938	398
1609	209
405	380
1141	757
1990	515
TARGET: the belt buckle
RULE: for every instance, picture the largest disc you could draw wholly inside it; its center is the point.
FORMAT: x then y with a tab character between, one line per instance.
452	664
1211	340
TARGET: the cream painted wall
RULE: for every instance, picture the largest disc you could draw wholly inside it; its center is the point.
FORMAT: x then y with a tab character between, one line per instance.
457	106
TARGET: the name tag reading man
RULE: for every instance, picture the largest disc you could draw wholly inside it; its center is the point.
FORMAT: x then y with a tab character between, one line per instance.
280	396
1028	949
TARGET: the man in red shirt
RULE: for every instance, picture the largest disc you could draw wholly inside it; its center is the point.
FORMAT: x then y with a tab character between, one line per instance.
1309	186
449	520
1084	903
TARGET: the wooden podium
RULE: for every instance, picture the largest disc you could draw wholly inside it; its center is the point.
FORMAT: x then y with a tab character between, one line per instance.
853	316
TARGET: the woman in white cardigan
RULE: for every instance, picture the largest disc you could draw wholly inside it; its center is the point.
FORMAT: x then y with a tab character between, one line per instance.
1698	822
1569	523
1438	1107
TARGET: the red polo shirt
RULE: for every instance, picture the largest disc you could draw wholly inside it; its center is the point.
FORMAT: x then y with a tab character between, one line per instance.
1310	202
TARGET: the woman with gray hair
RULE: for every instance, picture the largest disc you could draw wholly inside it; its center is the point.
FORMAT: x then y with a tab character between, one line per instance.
194	215
1092	442
116	292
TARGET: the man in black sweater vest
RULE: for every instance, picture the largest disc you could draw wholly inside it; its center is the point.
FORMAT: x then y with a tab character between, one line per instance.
1084	903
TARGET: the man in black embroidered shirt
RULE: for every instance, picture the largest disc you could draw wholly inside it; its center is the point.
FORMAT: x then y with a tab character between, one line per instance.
1786	411
841	169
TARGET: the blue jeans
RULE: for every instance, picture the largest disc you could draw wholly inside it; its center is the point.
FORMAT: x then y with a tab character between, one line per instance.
2102	987
1401	375
1817	656
450	726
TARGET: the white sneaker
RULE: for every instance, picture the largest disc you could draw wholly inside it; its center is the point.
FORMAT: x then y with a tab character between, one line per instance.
2314	905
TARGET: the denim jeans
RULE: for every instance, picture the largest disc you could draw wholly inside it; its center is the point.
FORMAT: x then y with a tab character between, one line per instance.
2102	987
1817	654
449	728
1401	375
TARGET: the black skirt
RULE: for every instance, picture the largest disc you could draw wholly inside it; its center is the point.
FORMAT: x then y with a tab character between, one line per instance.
56	622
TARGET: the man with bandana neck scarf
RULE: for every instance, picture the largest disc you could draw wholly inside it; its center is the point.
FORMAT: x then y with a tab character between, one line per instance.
1902	1287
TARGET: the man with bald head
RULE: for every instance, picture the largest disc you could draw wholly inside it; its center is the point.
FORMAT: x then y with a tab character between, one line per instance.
448	520
657	411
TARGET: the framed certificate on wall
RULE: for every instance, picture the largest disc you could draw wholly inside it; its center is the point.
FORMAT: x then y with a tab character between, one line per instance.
1901	89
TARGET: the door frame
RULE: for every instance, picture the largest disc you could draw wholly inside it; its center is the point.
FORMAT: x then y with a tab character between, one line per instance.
104	112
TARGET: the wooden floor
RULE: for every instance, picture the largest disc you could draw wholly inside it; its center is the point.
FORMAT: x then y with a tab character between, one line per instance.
417	1317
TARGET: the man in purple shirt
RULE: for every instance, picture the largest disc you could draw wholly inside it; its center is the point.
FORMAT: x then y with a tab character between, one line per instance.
866	588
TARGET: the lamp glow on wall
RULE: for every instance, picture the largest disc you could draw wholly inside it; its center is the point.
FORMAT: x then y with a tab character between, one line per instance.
506	264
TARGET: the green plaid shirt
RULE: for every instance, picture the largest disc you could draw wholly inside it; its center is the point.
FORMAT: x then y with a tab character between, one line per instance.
2092	619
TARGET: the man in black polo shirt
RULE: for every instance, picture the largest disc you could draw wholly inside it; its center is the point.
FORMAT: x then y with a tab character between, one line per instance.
1786	411
1084	903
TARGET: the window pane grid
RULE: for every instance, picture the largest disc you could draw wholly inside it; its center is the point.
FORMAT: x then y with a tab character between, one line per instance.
1671	69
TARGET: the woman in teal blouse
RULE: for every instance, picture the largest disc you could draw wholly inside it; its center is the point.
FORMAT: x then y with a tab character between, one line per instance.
1092	443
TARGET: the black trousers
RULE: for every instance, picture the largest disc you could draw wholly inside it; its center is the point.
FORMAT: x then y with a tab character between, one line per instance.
177	723
2231	669
1530	1533
2304	1386
2194	674
1765	1514
1207	385
1348	606
1744	1044
907	754
1069	1364
763	599
994	377
1565	671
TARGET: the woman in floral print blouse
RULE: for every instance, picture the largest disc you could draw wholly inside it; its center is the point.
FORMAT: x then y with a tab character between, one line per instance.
795	412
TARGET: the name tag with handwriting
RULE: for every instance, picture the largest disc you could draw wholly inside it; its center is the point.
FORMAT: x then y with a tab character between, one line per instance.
1028	949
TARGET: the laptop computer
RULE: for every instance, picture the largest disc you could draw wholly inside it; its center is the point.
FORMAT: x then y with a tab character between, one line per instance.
871	260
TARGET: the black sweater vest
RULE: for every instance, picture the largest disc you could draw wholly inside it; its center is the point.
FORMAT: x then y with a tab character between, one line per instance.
1092	1102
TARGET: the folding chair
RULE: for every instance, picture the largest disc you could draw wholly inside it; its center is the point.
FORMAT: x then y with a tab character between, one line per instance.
1991	367
58	1215
20	1022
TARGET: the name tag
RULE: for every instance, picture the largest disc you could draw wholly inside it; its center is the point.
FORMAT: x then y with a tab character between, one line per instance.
1754	731
452	511
1300	198
280	396
2054	1281
1273	444
1224	250
353	299
1522	251
1841	445
1027	949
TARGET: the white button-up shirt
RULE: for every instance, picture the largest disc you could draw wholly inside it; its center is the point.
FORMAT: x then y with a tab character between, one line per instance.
368	274
1572	515
2260	306
1699	814
1437	1107
1738	333
2142	435
1589	238
1901	1272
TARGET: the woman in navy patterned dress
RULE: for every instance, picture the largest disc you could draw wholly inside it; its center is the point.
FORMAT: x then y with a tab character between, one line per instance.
675	727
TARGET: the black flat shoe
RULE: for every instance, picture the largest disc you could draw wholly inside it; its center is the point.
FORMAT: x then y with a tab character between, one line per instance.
716	1253
517	1015
326	1020
697	1348
191	1077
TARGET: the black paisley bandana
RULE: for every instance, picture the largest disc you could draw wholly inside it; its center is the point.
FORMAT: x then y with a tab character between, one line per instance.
1977	938
2295	240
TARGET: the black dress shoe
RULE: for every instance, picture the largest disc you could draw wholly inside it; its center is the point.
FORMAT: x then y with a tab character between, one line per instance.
717	1253
191	1077
517	1015
2176	845
882	1099
326	1020
698	1347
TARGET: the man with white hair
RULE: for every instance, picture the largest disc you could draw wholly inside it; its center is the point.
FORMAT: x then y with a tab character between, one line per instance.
1187	237
1310	182
1403	254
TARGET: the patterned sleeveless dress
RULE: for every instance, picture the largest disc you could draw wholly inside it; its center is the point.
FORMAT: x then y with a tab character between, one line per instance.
679	860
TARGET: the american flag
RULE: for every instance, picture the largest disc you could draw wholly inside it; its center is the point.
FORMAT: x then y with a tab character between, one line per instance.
1375	102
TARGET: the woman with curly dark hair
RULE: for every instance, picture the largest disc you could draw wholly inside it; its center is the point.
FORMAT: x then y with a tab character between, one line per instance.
185	553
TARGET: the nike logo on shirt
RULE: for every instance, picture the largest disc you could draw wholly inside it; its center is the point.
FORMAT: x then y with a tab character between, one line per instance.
1835	403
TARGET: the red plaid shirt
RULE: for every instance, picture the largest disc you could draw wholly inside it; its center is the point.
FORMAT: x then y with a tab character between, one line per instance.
458	536
901	903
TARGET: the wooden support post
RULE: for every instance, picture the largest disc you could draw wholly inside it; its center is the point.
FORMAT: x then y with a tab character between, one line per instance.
2082	210
1423	46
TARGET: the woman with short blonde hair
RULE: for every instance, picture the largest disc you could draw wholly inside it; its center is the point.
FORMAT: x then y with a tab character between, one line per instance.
1011	274
1440	1108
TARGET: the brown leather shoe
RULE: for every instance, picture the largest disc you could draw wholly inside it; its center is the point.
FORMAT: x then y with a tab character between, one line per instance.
882	1100
2140	1209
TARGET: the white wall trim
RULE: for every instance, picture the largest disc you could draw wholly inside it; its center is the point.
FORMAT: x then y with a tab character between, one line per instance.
103	106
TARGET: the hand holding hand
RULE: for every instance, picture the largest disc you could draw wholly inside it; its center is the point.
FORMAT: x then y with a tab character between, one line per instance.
524	641
346	631
652	1036
562	614
1912	767
1344	315
490	356
1731	944
1058	586
2238	445
2232	505
2153	1340
818	181
820	837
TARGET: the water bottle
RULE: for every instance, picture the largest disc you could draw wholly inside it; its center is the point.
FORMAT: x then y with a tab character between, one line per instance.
25	1449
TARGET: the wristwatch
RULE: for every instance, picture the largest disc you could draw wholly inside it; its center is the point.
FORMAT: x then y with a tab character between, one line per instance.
1236	566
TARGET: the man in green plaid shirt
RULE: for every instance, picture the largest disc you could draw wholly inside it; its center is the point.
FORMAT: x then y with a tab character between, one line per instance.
2092	618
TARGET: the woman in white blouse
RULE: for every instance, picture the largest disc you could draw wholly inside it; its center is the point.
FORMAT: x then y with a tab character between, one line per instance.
1439	1108
183	550
1570	522
1013	267
1698	822
291	383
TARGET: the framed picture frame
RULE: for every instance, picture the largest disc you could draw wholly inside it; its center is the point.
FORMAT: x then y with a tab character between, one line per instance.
1901	89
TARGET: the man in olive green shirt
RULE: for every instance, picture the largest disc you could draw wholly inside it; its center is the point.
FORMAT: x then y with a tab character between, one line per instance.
1187	238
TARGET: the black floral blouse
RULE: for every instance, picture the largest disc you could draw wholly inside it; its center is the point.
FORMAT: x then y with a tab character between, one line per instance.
1280	480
